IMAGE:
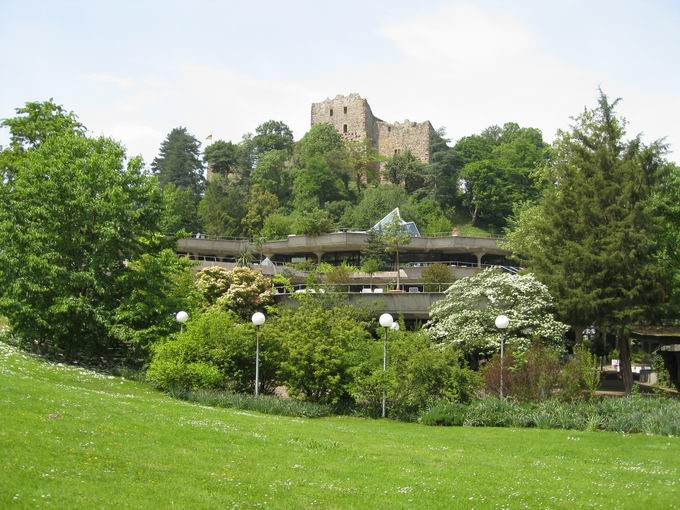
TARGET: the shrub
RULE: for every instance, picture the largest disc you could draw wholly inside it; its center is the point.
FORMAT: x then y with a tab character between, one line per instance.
437	274
529	376
580	376
215	351
263	403
418	376
321	341
339	275
242	290
646	415
445	414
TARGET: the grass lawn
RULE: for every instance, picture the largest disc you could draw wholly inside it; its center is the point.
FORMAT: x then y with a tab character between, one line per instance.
70	438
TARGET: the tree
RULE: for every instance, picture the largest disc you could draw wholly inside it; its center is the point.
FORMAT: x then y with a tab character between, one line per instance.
180	210
277	226
222	208
320	141
376	250
395	236
272	135
376	203
222	157
37	121
598	239
261	204
157	287
316	184
435	275
365	162
312	222
178	161
270	173
320	347
72	218
404	169
465	317
370	267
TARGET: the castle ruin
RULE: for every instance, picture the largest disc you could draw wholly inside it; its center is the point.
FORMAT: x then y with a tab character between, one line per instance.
352	117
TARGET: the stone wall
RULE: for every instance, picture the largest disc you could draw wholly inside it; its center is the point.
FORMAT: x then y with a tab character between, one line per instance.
352	117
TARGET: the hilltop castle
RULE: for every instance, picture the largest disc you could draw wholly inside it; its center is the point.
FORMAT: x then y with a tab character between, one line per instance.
352	116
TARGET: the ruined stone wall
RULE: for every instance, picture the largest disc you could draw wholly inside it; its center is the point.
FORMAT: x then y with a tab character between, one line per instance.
398	137
352	117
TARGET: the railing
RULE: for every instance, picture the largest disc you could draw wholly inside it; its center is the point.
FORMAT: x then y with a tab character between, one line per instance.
353	288
201	236
464	263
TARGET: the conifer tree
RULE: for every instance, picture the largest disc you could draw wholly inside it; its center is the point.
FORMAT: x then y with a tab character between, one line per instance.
595	235
179	162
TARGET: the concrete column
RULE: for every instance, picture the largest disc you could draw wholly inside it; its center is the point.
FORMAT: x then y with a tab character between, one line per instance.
479	256
319	254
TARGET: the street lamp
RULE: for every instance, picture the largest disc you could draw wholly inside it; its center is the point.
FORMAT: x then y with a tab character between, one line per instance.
258	319
394	326
502	322
181	317
387	322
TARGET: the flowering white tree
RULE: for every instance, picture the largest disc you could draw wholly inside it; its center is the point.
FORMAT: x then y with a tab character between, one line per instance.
465	317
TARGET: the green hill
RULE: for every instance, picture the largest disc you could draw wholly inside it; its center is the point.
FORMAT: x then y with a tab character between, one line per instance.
71	438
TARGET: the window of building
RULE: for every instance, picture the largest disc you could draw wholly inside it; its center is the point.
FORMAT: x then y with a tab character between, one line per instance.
389	129
345	109
344	128
396	151
331	112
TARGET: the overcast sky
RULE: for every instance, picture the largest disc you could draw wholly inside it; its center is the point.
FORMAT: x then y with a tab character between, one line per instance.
136	69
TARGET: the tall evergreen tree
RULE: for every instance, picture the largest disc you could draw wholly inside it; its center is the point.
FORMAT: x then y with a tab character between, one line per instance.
595	235
179	162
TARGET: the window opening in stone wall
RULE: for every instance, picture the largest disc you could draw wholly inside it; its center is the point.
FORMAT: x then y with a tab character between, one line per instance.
344	128
396	151
345	109
389	129
331	112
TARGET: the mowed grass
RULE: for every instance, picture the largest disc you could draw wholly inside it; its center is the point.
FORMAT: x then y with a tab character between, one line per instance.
70	438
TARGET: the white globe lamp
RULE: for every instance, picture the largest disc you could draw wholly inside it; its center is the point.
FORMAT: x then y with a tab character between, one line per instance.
386	320
258	318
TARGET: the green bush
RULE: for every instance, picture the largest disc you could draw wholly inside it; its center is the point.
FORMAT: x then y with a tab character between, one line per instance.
646	415
215	351
263	403
418	376
437	274
580	377
445	414
321	341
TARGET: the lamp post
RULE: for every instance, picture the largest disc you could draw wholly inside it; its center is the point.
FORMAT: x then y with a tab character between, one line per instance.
181	317
387	322
258	319
502	322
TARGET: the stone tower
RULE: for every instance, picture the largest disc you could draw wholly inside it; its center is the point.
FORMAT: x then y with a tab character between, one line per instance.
352	117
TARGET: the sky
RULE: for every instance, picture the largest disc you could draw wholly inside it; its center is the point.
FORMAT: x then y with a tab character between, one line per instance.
134	70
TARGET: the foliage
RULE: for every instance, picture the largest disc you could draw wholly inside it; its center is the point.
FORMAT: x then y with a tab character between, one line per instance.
71	218
38	121
178	161
223	207
404	169
375	203
418	375
321	140
580	377
527	376
267	404
261	205
341	274
242	290
320	347
316	184
214	352
157	287
465	317
394	236
436	274
222	157
312	222
272	135
595	238
277	226
271	175
180	210
629	415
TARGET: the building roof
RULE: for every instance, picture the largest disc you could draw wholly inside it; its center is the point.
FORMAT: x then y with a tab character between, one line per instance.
409	226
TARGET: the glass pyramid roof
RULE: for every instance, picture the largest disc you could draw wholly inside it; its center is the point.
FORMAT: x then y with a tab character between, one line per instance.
409	226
